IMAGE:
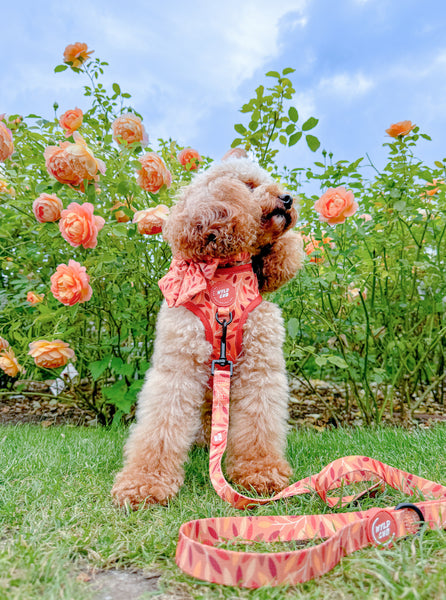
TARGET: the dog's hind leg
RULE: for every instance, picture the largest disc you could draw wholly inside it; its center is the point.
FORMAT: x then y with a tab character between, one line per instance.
168	413
259	406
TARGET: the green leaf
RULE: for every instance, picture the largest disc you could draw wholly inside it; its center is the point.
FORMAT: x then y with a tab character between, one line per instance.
283	140
439	164
116	88
293	114
293	327
321	361
310	124
294	138
288	70
240	129
60	68
400	205
273	74
98	367
312	142
338	361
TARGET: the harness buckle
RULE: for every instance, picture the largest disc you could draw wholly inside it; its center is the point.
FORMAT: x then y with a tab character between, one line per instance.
222	360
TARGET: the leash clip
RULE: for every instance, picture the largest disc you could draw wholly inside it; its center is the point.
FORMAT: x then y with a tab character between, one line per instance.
222	360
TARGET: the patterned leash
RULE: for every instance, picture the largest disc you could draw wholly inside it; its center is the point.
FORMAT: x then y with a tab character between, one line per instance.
199	555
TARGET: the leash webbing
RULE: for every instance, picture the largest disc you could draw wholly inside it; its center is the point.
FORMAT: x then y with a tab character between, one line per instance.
198	552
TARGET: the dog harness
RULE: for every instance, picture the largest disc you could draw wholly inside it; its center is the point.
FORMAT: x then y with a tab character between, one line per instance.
222	298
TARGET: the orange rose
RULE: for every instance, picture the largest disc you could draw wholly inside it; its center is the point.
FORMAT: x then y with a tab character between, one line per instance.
79	226
335	205
72	163
4	345
4	189
154	173
34	298
235	153
6	142
189	158
71	120
50	355
151	220
120	215
129	129
47	208
70	284
400	128
8	363
76	54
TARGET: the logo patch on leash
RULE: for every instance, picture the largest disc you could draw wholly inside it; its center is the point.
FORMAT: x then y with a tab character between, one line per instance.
223	294
382	529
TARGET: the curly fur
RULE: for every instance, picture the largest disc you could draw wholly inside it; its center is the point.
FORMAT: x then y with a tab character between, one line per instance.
233	207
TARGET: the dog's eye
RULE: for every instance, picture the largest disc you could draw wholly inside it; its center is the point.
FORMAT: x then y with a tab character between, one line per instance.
250	184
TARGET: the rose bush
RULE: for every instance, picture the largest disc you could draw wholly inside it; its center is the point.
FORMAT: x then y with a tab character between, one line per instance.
81	250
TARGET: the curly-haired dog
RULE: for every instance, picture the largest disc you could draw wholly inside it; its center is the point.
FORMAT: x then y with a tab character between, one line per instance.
233	212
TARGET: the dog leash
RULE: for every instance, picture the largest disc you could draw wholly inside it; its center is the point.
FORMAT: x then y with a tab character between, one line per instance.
200	553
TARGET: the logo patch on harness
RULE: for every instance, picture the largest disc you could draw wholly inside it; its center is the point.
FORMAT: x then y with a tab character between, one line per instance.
223	293
382	528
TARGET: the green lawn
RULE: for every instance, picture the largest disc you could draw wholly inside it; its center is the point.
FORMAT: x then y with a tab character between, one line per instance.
57	519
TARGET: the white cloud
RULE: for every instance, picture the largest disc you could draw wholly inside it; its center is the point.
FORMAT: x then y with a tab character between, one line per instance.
347	85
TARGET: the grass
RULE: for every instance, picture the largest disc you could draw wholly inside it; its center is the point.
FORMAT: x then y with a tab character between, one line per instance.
57	519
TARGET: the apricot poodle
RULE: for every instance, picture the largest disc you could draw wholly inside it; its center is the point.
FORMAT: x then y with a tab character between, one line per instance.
237	213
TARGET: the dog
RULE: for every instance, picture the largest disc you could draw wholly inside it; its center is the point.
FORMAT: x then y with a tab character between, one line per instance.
234	215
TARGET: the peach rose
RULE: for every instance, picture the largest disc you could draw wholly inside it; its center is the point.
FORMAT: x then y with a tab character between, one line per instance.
365	217
151	220
76	54
70	284
6	142
235	153
400	128
71	120
50	355
4	345
154	173
47	208
189	158
128	128
5	189
9	363
120	215
353	294
34	298
72	163
335	205
79	226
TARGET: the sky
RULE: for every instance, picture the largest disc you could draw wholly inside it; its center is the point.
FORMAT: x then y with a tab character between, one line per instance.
190	66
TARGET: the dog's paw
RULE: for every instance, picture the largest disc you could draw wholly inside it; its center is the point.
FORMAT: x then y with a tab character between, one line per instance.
266	477
139	489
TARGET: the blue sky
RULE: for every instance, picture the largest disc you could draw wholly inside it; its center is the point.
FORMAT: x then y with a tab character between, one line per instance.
360	65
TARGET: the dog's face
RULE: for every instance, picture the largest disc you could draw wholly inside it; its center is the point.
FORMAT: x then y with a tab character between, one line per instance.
233	207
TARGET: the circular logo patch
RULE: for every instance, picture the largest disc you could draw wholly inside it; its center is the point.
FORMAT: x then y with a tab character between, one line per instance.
222	293
382	528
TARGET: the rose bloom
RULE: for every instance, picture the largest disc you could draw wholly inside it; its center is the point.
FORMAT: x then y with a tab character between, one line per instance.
4	189
366	217
34	298
335	205
47	208
71	120
154	173
235	153
189	158
128	128
76	54
8	363
72	163
400	128
151	220
70	284
6	142
353	293
4	345
120	215
50	355
79	226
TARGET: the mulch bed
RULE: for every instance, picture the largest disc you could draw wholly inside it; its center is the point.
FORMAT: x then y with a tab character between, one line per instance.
317	404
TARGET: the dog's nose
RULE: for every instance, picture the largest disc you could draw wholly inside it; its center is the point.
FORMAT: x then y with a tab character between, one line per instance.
287	201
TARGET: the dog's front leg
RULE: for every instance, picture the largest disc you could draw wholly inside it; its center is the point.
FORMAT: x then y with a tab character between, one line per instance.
169	411
259	406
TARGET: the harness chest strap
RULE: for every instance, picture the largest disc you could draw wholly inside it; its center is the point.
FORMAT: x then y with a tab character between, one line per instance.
198	553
